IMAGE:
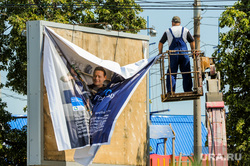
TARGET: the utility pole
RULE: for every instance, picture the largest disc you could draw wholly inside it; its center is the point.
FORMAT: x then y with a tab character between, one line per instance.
148	108
197	102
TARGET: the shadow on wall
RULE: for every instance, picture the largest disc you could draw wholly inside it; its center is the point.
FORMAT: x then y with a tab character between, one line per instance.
142	160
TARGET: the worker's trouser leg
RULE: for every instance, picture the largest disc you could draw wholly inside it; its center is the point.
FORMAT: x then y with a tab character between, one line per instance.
173	68
185	67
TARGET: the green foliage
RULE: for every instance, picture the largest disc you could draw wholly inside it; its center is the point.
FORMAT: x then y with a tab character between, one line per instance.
233	61
194	161
12	141
118	14
121	14
150	149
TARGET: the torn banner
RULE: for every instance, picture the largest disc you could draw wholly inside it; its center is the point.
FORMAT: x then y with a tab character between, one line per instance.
78	122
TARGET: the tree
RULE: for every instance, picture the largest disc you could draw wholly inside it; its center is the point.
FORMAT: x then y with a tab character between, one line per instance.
121	14
233	61
12	141
118	13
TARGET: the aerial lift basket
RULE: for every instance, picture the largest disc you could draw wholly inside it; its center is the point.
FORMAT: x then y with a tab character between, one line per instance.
196	72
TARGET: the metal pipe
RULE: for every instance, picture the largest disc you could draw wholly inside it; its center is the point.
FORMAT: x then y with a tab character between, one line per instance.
184	72
163	74
170	75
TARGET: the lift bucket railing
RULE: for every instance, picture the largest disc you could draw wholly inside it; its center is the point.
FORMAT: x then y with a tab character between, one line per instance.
196	73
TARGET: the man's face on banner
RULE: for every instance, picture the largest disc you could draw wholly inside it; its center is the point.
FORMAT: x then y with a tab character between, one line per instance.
98	78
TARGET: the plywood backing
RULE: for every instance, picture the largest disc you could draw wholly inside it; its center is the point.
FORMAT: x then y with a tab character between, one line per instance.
128	144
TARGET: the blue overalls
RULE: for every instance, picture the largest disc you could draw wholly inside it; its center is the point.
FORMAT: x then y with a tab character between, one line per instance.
182	60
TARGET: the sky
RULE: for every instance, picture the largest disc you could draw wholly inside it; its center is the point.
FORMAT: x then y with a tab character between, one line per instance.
161	20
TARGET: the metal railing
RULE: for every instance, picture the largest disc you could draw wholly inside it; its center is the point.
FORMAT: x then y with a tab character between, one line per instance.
195	71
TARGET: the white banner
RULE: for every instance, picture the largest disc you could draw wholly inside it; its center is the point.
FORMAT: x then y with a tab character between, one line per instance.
82	122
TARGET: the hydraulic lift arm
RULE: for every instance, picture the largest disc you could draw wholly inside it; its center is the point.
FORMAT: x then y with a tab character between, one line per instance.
215	118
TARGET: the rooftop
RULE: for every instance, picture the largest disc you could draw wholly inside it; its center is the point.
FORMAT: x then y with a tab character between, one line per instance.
19	122
183	128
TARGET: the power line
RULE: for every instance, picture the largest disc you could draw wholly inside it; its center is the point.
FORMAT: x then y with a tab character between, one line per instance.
188	23
209	24
155	85
155	97
156	72
90	5
210	17
155	50
14	97
143	1
119	3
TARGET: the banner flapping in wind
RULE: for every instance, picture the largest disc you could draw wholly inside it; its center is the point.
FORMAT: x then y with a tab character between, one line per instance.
82	121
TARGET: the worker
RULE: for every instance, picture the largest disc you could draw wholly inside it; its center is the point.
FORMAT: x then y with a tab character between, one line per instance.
177	37
99	76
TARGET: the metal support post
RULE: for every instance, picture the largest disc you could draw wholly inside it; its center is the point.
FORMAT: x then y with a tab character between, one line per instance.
173	151
34	93
165	146
173	147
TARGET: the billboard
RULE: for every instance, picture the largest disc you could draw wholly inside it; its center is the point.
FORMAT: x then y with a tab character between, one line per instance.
128	145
